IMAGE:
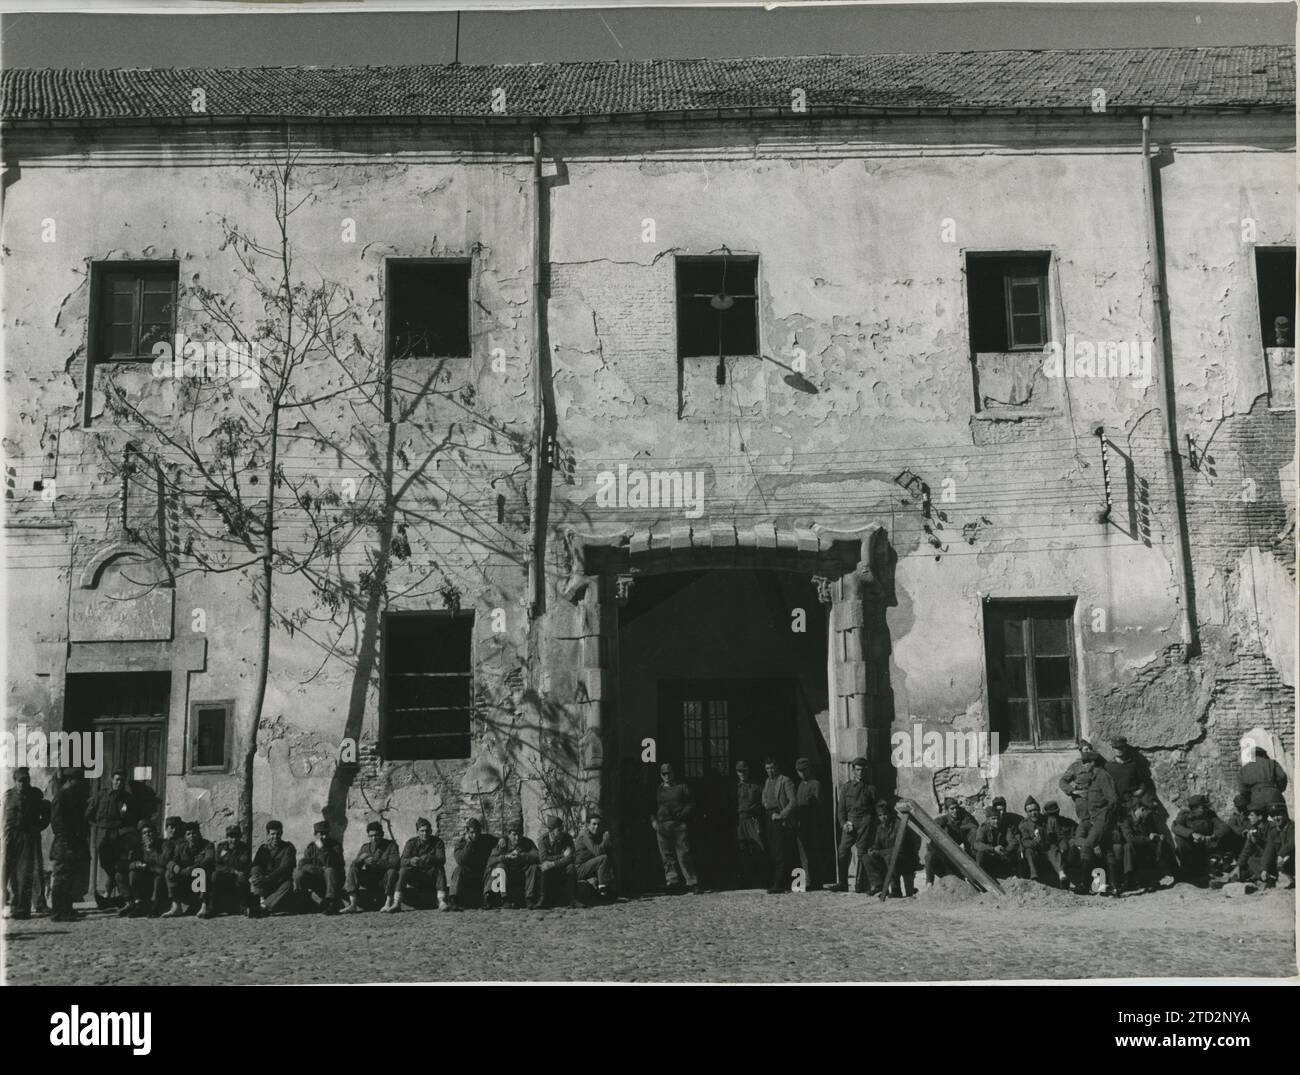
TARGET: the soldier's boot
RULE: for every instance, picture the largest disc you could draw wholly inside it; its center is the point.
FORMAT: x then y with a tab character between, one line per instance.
175	911
353	907
392	905
443	904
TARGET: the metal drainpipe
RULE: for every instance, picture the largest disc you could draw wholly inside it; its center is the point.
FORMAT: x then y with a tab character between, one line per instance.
1173	461
539	417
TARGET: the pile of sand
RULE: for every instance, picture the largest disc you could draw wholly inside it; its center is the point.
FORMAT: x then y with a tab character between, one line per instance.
1017	892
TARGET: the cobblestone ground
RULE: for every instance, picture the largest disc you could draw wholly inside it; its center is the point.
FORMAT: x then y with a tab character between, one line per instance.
723	936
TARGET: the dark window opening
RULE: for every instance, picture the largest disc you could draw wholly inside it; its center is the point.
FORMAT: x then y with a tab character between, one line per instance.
1008	301
1030	653
717	306
428	685
706	740
209	749
1275	271
135	309
428	309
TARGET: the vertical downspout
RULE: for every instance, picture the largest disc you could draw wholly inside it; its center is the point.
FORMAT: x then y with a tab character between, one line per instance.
535	545
1173	458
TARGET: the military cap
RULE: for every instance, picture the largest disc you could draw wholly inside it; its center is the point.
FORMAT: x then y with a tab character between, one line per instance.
999	801
193	826
423	821
859	761
324	828
1091	755
23	770
883	804
802	763
146	823
1119	741
1198	800
949	801
374	826
1277	810
275	826
515	826
989	813
554	823
1030	799
1085	745
1051	807
234	830
1262	811
118	772
174	822
1240	801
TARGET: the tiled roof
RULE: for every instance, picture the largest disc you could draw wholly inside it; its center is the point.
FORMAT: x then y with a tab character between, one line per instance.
1238	76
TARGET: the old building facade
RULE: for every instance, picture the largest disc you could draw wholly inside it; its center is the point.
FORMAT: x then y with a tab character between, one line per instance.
725	408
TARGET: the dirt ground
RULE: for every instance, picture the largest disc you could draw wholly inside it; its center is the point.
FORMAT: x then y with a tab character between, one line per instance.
946	933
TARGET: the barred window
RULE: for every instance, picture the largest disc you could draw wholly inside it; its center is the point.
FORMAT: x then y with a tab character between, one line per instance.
427	685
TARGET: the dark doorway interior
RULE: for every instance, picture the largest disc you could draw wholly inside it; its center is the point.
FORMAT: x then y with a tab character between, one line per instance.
715	666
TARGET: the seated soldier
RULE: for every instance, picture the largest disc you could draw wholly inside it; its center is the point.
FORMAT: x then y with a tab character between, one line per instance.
230	873
422	866
271	879
1035	842
147	872
556	855
1238	821
319	876
514	877
173	832
1059	832
372	877
882	850
471	851
1199	834
189	874
1284	827
960	828
593	857
995	854
1136	863
1258	858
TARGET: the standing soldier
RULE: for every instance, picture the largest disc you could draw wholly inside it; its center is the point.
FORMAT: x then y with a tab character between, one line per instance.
960	828
674	807
471	852
995	854
230	873
517	858
1262	780
1129	770
1100	804
593	857
423	865
112	812
70	851
1060	832
26	813
147	867
319	876
189	874
779	809
271	879
1075	782
1199	834
856	816
882	849
810	828
751	851
373	873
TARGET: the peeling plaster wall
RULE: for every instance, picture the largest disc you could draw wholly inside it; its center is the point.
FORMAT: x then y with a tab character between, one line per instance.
849	221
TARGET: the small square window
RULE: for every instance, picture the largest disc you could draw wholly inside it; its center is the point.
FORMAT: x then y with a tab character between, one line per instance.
428	309
1031	672
210	731
428	685
135	308
1008	302
717	306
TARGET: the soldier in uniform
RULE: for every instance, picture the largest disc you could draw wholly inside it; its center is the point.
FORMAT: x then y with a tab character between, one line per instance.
779	809
882	849
173	832
1034	842
272	877
147	868
372	876
423	865
230	873
26	814
471	852
1200	835
994	847
810	827
1137	848
517	857
319	876
751	851
1284	828
189	874
114	814
674	807
70	850
1129	771
1095	835
1258	858
1059	832
555	852
960	828
855	815
1074	782
593	857
1239	822
1262	780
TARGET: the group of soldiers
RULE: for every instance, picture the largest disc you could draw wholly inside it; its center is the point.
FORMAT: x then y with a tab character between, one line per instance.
179	872
1123	841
